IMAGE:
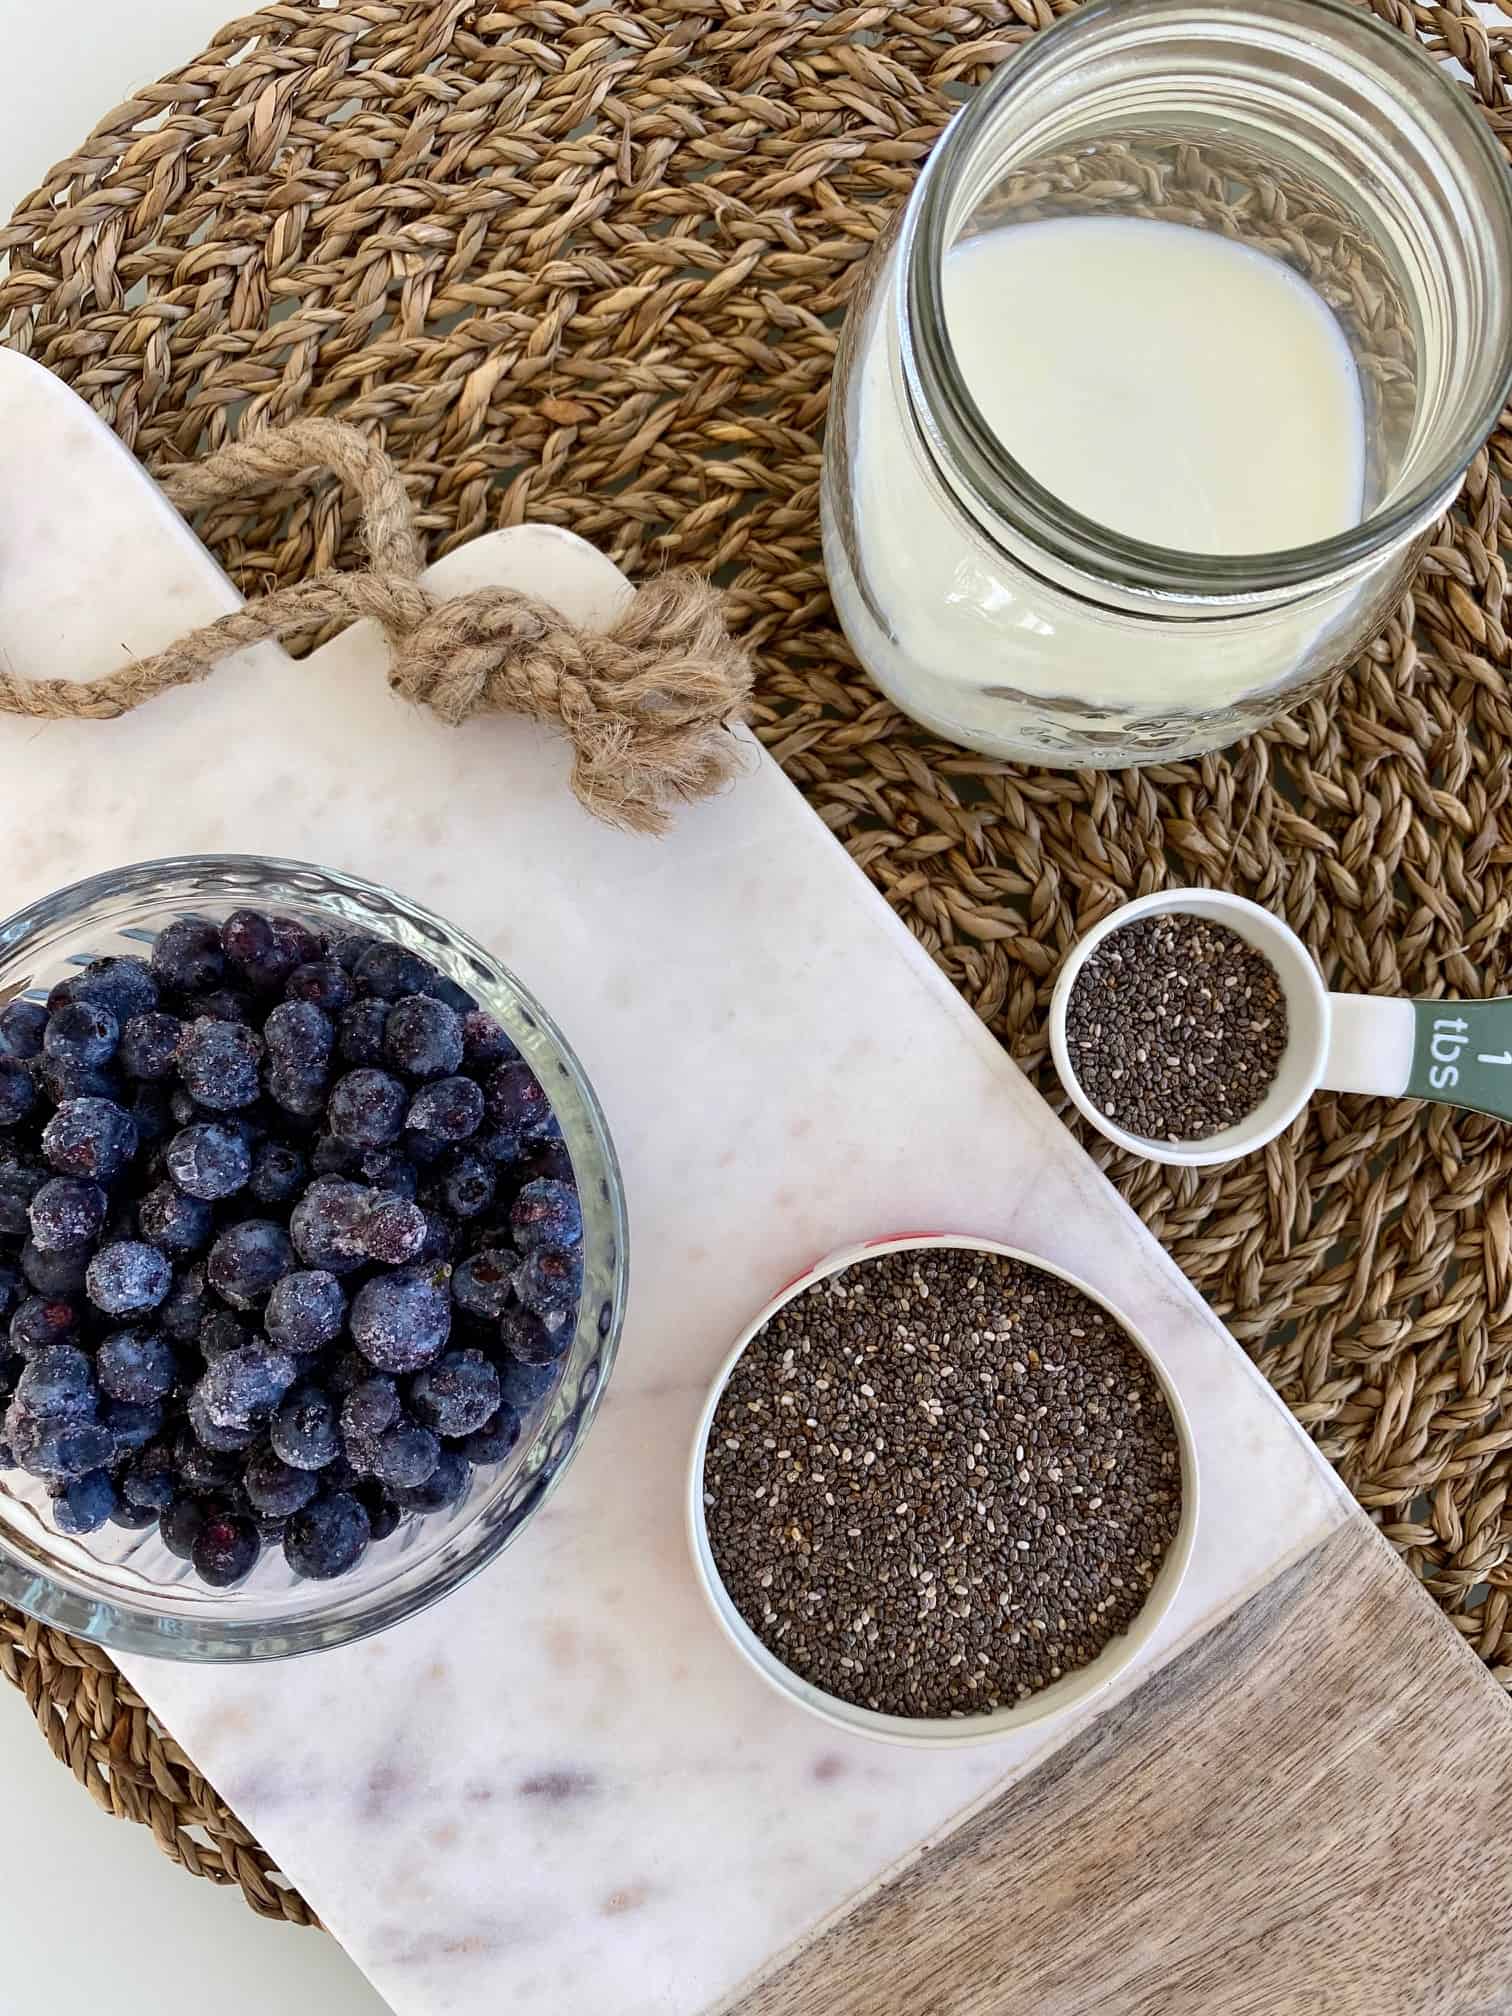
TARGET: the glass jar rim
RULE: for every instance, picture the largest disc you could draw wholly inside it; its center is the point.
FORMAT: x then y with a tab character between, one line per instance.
1001	484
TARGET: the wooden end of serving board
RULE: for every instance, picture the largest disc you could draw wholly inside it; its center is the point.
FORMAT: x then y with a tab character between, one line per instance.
1305	1812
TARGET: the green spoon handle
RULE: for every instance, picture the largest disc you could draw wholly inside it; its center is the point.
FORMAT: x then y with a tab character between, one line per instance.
1457	1052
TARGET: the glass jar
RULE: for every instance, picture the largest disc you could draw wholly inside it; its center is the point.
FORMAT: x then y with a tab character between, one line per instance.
993	611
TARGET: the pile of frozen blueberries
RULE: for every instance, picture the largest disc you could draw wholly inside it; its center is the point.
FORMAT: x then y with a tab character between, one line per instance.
289	1242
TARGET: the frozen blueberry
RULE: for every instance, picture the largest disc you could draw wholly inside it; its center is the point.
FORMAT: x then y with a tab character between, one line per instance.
327	1538
83	1033
547	1214
209	1160
65	1212
423	1038
445	1485
521	1386
20	1179
211	1435
187	956
56	1271
173	1220
218	1063
457	1394
422	1151
135	1518
278	1173
323	982
369	1409
201	1467
21	1026
179	1527
367	1108
549	1160
441	1239
90	1137
248	1260
151	1478
302	1093
84	1505
469	1185
448	1108
225	1549
330	1157
123	985
389	972
184	1307
360	1037
254	951
128	1276
400	1321
58	1448
40	1321
326	1224
383	1514
149	1045
404	1456
517	1106
132	1424
57	1381
243	1387
484	1043
525	1338
390	1170
348	947
495	1439
275	1487
306	1310
548	1283
224	1004
300	1037
393	1231
10	1293
306	1432
66	1078
18	1093
136	1365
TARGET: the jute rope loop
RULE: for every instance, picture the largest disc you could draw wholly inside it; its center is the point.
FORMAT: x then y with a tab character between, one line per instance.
647	703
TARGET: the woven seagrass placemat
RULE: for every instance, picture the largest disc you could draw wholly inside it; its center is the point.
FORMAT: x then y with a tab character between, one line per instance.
587	267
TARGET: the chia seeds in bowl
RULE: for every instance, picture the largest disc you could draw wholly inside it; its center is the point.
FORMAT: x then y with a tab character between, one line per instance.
941	1490
312	1250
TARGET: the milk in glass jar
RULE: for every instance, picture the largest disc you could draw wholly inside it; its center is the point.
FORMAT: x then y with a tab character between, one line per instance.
1148	404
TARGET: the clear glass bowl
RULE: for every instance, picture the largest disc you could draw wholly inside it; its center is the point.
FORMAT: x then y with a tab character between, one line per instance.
124	1589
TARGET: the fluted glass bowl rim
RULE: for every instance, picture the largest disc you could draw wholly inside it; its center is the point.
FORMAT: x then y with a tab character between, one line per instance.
203	1630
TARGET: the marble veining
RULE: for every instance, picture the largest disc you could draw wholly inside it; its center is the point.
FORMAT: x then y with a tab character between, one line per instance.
560	1790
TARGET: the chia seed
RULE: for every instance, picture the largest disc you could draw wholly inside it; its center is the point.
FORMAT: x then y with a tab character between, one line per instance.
938	1481
1176	1028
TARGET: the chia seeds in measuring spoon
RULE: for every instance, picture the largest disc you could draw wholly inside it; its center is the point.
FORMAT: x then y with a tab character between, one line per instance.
1176	1027
938	1481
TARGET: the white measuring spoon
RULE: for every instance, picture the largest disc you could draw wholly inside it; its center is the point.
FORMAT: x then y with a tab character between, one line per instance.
1457	1052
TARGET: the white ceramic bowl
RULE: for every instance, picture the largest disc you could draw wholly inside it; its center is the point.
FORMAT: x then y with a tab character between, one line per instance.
1308	1010
953	1732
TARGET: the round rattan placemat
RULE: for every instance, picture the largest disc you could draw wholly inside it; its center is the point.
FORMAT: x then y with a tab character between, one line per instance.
587	267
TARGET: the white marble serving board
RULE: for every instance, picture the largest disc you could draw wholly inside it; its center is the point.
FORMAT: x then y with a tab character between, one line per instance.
561	1791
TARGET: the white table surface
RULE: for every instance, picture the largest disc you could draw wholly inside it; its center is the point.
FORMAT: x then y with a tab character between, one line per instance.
88	1903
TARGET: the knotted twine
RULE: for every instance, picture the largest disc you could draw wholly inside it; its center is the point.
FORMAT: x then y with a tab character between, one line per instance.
647	704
